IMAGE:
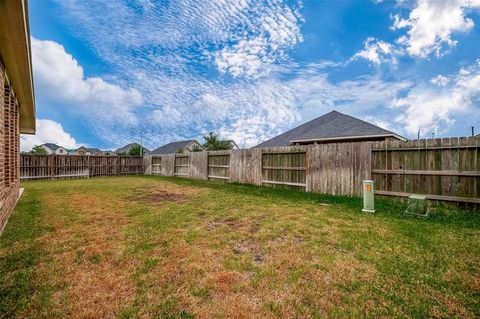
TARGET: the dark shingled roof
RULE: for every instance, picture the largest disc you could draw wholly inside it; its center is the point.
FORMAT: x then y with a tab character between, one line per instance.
328	126
171	148
93	150
127	148
52	146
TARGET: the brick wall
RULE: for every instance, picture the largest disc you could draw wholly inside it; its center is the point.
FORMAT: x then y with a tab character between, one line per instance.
9	148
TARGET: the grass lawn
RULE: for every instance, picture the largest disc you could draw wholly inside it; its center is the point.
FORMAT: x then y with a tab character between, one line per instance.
151	247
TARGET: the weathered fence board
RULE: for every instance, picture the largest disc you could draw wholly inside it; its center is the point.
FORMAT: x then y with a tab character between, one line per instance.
198	165
219	165
77	166
246	166
288	169
182	164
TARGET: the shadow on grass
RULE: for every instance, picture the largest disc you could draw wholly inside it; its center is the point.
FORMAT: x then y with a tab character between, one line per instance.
18	264
388	208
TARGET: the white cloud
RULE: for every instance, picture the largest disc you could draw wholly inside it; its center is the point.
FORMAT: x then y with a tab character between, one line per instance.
439	80
433	111
431	25
167	51
61	79
48	131
377	52
276	30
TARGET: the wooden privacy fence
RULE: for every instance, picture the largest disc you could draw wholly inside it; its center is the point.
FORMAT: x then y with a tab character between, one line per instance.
77	166
442	169
332	168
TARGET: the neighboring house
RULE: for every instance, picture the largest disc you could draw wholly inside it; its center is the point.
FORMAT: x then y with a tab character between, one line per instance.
333	127
52	148
82	150
176	147
124	150
95	151
17	102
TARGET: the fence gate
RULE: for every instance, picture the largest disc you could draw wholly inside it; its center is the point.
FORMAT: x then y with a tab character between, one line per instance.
287	169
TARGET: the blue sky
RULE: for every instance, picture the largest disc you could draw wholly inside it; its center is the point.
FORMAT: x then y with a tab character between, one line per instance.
107	72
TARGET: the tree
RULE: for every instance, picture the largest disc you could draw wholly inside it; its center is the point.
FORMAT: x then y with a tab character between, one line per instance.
180	150
196	148
39	150
135	150
214	143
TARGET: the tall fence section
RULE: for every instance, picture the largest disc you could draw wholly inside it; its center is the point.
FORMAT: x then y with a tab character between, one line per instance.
77	166
443	169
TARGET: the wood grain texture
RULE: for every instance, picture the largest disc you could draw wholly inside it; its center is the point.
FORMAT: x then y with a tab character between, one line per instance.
443	168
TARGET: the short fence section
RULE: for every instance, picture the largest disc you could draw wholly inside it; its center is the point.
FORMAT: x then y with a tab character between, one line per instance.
78	166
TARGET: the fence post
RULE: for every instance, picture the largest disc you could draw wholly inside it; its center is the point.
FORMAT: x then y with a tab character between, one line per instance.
89	165
52	165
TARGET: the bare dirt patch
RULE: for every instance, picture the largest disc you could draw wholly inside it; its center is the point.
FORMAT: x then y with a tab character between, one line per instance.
159	197
250	246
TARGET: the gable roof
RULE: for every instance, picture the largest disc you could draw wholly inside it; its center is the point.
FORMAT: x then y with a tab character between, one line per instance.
127	148
172	147
52	146
331	126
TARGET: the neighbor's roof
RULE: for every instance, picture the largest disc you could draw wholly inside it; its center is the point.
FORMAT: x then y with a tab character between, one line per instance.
15	51
127	148
331	126
93	150
52	146
172	147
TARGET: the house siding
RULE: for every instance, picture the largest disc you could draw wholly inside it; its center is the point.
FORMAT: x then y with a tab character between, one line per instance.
9	148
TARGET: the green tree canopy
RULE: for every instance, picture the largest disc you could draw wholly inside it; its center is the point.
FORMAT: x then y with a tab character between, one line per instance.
39	150
196	148
136	150
214	143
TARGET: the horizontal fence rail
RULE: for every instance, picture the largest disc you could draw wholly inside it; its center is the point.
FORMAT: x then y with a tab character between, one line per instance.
78	166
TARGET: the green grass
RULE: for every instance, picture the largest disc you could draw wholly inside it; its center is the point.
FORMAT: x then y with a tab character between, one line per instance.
151	247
